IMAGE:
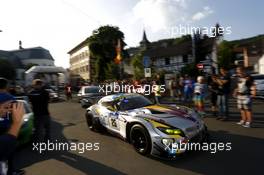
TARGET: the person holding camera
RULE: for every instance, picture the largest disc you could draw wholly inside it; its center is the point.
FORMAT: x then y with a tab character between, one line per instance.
223	81
8	139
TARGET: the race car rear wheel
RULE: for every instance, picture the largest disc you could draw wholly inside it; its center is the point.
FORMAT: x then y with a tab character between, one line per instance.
140	139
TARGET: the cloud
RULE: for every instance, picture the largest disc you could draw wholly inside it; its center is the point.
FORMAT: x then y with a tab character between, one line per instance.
202	14
159	14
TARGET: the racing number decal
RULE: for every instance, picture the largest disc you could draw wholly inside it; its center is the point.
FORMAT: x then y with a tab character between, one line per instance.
113	122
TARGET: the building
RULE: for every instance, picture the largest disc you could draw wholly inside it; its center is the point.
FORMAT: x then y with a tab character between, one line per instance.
260	68
24	59
249	52
170	58
171	55
81	64
51	75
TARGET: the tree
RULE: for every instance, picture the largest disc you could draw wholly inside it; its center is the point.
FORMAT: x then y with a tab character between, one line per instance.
191	70
182	39
112	71
225	55
7	70
136	62
102	46
200	51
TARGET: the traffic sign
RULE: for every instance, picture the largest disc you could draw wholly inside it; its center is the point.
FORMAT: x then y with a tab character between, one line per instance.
200	66
147	72
146	61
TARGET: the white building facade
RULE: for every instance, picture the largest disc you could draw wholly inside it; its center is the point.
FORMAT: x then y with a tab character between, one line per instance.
81	64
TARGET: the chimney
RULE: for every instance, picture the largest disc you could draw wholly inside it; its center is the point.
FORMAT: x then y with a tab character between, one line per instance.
245	53
20	45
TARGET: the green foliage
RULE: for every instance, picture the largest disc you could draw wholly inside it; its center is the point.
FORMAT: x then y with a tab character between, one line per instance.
7	70
225	55
112	71
136	62
102	46
191	70
99	69
200	49
182	39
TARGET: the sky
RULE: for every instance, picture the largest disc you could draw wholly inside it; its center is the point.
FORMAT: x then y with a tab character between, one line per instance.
59	25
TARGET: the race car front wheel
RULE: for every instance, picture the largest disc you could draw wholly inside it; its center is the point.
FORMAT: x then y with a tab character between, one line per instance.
89	118
140	139
93	122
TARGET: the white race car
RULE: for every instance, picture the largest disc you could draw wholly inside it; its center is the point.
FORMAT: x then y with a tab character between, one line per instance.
151	129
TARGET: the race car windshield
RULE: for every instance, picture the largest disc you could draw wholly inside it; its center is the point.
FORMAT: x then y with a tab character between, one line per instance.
135	102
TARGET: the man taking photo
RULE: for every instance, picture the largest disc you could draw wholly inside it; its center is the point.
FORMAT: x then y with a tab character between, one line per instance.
14	110
223	81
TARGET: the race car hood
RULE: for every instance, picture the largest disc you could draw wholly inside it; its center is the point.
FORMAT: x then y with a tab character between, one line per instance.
176	116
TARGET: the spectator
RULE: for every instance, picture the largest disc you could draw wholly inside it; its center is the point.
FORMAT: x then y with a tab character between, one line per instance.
199	95
68	92
213	88
8	139
244	92
39	99
188	89
223	82
172	87
157	93
181	88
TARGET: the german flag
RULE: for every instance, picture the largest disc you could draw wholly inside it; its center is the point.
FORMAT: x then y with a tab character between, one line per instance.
118	57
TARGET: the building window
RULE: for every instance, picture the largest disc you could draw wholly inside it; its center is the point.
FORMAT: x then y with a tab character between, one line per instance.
167	61
160	62
185	58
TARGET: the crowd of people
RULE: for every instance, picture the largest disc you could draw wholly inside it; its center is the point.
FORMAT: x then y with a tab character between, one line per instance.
218	88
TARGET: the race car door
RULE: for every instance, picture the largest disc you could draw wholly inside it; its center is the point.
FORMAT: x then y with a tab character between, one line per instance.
114	121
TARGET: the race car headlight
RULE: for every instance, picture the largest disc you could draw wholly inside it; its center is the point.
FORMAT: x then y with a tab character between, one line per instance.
171	131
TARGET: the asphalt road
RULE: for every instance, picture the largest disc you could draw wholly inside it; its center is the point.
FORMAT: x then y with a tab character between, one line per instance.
118	157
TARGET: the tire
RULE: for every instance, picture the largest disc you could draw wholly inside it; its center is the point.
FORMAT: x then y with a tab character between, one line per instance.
89	118
140	139
93	122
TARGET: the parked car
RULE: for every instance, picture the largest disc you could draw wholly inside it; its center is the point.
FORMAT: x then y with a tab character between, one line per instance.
88	91
27	128
88	101
259	81
53	95
25	98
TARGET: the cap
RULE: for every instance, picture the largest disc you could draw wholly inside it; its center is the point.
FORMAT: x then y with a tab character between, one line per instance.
4	97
